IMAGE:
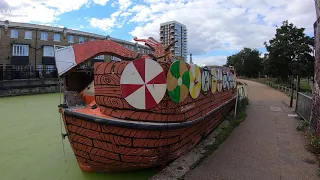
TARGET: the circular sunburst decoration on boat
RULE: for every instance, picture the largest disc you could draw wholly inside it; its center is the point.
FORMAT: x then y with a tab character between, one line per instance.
143	83
214	79
178	81
195	81
219	82
206	81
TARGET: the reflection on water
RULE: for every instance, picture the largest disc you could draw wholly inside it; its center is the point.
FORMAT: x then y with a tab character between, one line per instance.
31	147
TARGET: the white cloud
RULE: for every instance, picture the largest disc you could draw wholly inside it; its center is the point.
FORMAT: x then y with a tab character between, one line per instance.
42	11
101	2
125	14
211	24
105	24
222	25
211	60
63	6
124	4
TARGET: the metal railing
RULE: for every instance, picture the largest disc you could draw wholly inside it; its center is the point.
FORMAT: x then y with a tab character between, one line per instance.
283	89
242	92
304	106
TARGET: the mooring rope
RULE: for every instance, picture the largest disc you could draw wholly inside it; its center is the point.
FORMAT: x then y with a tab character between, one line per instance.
63	149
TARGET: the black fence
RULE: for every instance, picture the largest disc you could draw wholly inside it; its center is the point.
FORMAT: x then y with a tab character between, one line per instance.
12	74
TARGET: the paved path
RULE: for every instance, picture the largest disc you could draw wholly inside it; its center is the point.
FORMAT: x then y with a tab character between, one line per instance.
266	146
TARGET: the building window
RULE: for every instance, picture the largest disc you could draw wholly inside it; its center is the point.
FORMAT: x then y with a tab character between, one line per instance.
20	50
100	57
81	40
48	51
92	39
115	58
70	39
14	33
58	47
56	37
44	36
28	34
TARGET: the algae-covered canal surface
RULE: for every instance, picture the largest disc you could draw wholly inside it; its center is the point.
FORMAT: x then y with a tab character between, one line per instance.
31	146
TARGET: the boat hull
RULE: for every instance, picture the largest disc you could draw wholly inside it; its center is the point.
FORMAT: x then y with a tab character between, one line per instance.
111	146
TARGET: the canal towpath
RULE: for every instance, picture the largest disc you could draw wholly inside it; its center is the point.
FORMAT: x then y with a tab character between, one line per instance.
265	146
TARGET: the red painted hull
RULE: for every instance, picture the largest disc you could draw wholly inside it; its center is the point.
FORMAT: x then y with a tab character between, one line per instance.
117	137
107	134
100	147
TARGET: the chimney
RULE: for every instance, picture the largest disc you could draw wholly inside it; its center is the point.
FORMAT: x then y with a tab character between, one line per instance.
191	59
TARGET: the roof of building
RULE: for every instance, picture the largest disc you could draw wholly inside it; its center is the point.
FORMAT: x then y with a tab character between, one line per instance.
70	31
172	22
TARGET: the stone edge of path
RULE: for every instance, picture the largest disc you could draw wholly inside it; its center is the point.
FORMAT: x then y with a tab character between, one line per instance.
179	168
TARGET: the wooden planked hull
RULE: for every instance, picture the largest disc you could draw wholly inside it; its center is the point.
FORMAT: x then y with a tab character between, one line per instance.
109	98
100	146
138	114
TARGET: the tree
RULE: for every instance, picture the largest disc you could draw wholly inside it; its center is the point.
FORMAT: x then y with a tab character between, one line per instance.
289	52
247	62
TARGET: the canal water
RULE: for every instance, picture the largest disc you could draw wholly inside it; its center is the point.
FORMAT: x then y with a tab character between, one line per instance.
31	147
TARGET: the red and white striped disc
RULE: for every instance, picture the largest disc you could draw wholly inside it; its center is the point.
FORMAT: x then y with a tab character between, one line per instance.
143	83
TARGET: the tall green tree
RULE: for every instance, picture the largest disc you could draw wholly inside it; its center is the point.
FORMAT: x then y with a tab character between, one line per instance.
247	62
289	52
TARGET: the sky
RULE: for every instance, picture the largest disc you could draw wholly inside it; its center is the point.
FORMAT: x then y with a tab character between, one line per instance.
216	28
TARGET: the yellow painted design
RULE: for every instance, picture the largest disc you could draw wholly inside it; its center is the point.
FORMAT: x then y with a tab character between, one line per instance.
219	81
183	68
214	80
183	91
195	81
172	82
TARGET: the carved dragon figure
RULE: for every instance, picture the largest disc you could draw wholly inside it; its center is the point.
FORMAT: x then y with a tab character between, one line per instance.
161	54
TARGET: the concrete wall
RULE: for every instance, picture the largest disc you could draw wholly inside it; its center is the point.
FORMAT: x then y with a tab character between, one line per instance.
316	92
27	91
28	86
27	83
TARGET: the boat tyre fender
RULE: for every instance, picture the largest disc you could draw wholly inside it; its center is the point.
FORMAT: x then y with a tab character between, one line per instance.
94	106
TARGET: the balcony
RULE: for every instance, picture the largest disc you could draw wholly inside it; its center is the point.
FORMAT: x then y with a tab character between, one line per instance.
48	60
19	60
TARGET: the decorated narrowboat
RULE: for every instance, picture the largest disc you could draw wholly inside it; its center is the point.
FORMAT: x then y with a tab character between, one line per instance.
143	111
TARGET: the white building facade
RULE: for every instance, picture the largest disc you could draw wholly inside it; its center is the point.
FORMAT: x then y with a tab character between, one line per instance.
174	31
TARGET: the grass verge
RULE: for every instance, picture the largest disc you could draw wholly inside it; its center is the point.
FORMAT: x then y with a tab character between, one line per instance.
304	85
313	142
234	122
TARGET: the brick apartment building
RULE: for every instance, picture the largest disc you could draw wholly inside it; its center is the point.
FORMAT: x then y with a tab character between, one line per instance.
30	47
